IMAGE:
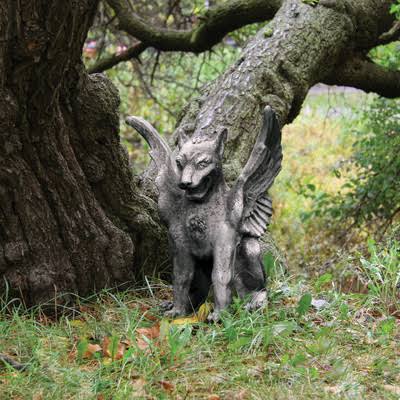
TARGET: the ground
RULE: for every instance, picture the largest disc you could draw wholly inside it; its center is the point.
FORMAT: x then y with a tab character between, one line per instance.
325	334
341	346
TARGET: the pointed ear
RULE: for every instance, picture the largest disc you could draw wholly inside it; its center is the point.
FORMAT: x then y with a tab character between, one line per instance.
221	139
182	139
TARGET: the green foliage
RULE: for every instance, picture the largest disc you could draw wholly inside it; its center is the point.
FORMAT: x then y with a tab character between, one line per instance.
395	9
370	193
304	304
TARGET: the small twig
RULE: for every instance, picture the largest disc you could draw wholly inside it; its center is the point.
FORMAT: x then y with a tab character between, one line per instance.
154	67
392	35
9	361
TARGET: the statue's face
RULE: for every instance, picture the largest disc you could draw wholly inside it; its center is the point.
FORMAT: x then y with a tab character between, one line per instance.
198	166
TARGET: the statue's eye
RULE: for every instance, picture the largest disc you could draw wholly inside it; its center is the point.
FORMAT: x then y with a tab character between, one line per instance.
202	164
179	164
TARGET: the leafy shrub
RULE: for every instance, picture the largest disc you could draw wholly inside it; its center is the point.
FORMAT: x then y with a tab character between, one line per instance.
370	194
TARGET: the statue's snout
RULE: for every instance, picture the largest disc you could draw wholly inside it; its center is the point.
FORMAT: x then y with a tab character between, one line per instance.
185	184
186	181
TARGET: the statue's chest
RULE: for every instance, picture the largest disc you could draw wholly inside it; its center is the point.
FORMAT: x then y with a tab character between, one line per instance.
202	223
197	226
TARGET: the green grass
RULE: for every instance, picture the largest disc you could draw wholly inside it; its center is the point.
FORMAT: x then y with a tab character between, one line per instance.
348	348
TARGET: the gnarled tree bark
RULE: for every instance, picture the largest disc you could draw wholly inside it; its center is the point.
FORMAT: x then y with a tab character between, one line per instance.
71	218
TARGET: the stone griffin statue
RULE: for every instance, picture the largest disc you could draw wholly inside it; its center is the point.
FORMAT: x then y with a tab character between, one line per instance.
214	230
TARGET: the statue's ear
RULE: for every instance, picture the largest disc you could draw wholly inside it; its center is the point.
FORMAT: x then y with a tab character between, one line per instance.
221	139
182	139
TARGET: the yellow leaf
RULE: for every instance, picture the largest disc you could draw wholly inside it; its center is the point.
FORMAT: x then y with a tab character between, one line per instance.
164	329
77	323
200	316
186	320
204	311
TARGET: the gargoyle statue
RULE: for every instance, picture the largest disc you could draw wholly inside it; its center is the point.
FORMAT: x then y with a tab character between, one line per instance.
213	229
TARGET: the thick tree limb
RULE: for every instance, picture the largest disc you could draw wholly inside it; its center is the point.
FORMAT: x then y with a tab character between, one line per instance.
365	75
114	59
306	45
216	23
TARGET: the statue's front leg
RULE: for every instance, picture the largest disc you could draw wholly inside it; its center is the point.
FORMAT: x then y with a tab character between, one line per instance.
222	274
183	275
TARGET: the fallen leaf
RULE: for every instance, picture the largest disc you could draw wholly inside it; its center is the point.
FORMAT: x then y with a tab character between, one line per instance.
186	320
168	386
37	396
393	389
318	304
76	323
332	389
203	312
213	397
138	385
152	332
91	349
113	348
200	316
142	344
242	395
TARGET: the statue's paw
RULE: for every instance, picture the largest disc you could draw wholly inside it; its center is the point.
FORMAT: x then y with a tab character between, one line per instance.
166	305
258	300
174	312
215	316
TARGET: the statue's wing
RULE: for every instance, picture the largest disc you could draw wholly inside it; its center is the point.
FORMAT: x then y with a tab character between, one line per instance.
258	176
160	151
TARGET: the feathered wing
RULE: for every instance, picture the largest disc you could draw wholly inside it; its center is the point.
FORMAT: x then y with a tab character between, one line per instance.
160	151
258	176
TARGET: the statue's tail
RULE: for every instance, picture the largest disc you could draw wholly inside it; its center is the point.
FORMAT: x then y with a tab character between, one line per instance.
160	150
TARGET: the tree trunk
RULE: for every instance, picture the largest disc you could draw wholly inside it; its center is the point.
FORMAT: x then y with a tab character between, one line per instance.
71	217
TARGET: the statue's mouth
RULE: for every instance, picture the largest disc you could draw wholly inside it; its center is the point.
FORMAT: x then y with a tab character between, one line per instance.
198	192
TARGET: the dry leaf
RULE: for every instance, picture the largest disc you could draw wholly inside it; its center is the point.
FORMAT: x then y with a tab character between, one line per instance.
144	335
76	323
393	389
186	320
107	349
138	385
332	389
142	344
213	397
242	395
200	316
168	386
204	311
91	350
151	333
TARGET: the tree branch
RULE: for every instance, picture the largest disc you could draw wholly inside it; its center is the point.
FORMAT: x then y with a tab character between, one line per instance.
363	74
391	35
114	59
214	25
